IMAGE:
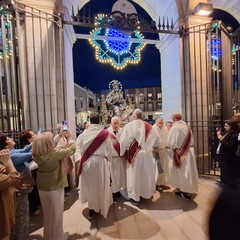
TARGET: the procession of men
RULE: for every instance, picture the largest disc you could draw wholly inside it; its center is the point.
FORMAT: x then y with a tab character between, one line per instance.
132	161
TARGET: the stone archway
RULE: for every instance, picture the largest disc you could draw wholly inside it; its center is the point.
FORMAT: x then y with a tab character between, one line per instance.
170	46
174	79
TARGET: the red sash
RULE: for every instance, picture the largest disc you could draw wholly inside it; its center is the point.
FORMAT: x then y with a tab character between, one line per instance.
115	143
134	148
96	143
179	154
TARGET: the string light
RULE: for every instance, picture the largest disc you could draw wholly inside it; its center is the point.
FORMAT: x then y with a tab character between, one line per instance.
118	54
8	42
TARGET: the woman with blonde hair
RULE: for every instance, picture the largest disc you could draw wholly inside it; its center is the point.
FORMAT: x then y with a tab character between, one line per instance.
51	181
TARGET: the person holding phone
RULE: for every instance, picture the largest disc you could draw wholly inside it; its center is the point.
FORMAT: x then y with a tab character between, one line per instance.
20	158
51	181
227	147
62	139
9	179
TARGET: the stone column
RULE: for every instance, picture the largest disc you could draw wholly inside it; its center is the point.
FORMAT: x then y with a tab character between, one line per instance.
37	30
69	40
170	75
46	67
195	72
197	85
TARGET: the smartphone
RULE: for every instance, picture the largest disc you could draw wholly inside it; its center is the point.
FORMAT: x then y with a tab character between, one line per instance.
64	125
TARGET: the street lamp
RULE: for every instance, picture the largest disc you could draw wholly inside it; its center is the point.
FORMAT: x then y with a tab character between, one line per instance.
203	9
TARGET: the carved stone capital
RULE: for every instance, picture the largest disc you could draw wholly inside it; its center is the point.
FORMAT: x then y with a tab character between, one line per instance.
45	5
194	20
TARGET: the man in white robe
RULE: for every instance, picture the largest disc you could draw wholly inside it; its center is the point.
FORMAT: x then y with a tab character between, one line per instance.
184	174
141	170
94	181
118	164
163	178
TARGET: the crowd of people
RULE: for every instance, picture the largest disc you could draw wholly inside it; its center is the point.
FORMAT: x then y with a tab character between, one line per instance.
133	160
21	196
224	219
130	161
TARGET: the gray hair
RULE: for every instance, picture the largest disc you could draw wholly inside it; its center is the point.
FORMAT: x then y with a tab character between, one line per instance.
115	118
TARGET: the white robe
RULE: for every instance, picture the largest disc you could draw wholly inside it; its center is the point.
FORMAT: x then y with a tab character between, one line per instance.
140	174
164	178
186	177
117	166
94	181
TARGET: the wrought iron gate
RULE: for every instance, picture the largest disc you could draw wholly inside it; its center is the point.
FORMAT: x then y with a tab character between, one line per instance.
211	86
31	65
35	97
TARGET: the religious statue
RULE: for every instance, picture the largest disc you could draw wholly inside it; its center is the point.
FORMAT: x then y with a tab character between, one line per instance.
115	104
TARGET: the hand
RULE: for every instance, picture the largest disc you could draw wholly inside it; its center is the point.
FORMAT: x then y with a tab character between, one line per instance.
4	155
155	149
218	133
220	137
3	169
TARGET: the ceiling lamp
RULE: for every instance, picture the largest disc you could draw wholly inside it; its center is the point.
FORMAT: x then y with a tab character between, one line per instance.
203	9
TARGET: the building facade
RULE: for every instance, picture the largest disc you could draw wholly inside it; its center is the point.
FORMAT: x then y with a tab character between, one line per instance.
85	103
148	99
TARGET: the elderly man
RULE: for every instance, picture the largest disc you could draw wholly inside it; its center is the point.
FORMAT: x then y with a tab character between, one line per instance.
137	142
163	161
117	165
94	151
184	174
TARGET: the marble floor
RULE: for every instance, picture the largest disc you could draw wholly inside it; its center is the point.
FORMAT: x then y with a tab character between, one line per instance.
164	217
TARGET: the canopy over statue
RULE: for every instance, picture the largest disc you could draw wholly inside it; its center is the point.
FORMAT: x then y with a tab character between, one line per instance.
115	105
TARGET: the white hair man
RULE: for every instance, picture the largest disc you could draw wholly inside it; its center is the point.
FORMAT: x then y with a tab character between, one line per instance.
184	174
137	142
162	156
118	164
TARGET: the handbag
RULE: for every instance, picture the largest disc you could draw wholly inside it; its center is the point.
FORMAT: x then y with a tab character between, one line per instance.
26	183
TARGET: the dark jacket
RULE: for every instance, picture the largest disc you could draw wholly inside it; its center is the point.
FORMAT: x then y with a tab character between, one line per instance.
229	146
229	161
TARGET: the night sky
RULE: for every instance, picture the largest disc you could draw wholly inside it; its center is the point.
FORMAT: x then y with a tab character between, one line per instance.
89	73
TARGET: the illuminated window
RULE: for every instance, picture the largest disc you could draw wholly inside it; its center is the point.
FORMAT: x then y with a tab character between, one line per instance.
150	96
141	97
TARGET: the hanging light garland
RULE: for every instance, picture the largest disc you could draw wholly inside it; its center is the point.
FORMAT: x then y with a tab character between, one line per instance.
8	42
117	53
215	48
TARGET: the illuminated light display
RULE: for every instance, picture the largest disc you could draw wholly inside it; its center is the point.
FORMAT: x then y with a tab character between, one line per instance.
117	53
215	46
8	42
216	49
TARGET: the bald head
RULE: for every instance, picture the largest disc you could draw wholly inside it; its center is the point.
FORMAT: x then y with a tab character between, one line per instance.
176	117
137	114
159	122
